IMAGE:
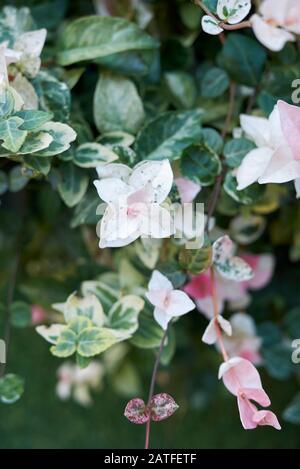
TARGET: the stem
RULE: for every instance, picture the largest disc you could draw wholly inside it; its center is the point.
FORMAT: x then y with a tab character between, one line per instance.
232	92
215	309
152	385
213	200
218	186
222	24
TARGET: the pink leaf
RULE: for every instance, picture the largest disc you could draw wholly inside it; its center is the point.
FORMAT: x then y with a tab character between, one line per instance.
162	407
136	411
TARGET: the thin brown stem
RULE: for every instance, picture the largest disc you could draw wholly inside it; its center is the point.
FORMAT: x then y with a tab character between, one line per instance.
152	385
218	186
232	93
234	27
213	201
215	310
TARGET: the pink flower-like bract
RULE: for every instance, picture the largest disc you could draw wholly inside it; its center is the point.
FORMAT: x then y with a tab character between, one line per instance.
242	379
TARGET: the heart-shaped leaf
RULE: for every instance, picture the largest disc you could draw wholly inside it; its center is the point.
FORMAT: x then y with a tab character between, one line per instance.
228	265
162	406
136	411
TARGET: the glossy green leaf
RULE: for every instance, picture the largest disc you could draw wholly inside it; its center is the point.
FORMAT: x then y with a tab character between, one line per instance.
243	58
117	105
91	155
72	185
11	135
94	37
33	119
181	88
236	149
94	340
214	83
167	136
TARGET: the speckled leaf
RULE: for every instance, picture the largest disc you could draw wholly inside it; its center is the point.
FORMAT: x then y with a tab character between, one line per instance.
228	265
162	406
136	411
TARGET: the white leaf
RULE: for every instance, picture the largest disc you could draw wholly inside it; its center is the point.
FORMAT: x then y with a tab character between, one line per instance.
210	25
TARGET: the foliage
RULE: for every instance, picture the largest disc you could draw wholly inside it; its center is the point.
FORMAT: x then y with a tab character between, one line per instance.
133	105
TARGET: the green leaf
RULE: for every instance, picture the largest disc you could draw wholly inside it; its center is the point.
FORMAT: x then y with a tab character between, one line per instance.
169	348
243	58
212	140
72	185
173	272
117	105
247	229
248	196
88	307
123	316
33	119
54	95
7	103
11	135
20	314
200	165
147	250
126	155
36	163
3	182
35	143
62	135
79	324
214	83
196	261
85	212
277	360
112	139
168	135
106	294
82	362
149	333
66	344
292	323
11	388
292	412
94	37
182	89
235	150
94	340
16	179
91	155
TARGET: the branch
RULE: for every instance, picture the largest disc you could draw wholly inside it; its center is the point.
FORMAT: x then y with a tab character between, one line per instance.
152	385
218	186
215	309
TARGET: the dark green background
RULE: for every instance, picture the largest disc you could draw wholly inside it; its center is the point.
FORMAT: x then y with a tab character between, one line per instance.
41	420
